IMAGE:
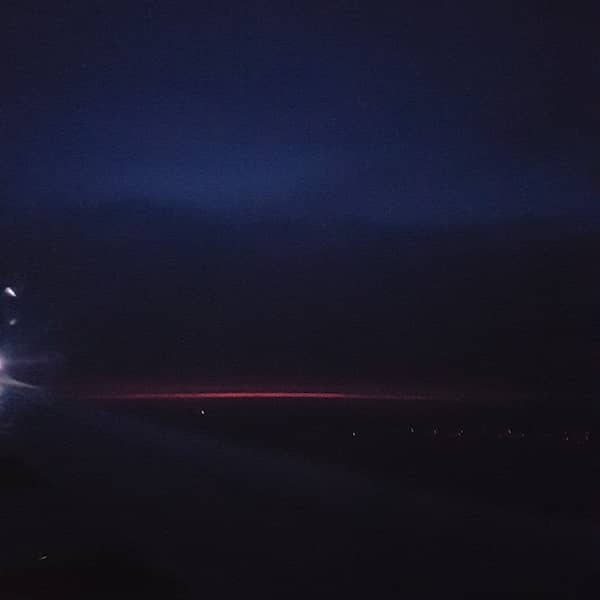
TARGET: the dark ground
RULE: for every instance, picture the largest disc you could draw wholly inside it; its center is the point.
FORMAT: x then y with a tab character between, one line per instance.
159	500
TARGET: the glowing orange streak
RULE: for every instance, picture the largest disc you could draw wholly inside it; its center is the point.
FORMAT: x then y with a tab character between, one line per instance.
250	395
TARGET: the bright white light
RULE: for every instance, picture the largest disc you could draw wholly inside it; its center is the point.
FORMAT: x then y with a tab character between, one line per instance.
12	322
10	292
1	364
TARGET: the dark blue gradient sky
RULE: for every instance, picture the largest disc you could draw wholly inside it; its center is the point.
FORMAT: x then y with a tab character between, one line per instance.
402	191
432	112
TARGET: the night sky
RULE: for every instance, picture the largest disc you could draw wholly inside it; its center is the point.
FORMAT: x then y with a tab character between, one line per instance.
337	191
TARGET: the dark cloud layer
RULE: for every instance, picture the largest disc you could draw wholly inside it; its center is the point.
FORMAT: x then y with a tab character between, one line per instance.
137	292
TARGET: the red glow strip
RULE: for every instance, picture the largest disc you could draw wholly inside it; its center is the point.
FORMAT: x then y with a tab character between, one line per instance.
250	395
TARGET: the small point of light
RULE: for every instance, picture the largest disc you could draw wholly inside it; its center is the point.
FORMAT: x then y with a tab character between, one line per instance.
43	557
12	322
202	412
412	429
354	434
10	292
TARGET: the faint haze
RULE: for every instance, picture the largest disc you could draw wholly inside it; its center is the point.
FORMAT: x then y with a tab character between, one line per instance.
152	293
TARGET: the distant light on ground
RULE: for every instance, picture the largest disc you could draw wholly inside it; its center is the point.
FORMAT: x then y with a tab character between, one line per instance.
10	292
